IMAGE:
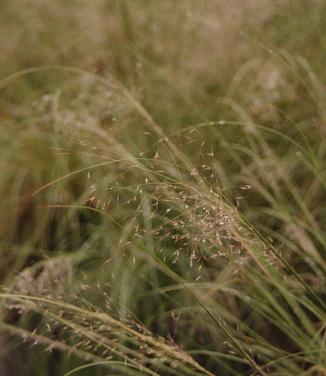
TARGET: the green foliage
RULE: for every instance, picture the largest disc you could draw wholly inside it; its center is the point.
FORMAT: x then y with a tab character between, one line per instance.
163	187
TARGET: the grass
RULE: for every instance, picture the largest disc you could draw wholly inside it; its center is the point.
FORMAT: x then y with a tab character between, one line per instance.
163	188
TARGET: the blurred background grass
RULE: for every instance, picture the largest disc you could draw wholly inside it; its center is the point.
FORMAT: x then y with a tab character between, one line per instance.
163	172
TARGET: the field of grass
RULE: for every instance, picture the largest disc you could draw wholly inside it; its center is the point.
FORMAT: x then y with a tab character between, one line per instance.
163	187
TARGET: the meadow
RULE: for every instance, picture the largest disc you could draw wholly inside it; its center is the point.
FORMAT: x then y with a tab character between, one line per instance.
163	187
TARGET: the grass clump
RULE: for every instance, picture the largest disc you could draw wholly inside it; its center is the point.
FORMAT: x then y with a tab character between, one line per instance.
163	194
